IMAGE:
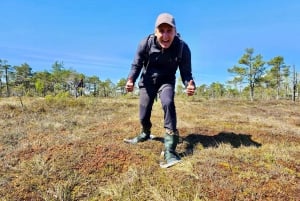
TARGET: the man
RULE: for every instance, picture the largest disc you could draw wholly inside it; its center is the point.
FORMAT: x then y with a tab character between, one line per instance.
79	87
158	57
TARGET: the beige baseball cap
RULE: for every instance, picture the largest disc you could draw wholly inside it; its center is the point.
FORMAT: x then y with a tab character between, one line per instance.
165	18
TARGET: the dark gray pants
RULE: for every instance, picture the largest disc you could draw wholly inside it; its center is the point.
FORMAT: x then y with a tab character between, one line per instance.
166	93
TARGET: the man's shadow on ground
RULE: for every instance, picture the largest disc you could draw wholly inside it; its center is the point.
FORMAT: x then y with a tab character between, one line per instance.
235	140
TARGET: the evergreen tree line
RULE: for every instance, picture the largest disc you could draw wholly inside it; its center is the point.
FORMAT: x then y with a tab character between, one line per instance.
21	81
253	78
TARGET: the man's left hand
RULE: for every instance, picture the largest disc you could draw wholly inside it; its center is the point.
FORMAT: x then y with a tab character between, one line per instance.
190	89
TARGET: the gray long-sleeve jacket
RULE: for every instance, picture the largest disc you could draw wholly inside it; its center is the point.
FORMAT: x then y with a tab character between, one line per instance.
159	65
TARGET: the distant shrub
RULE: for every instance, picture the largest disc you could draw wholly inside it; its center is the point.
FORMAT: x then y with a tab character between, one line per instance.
63	100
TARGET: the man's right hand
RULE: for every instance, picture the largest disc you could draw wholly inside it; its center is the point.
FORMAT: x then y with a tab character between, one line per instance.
129	85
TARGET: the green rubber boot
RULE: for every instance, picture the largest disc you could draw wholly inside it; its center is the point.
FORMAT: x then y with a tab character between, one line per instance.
170	155
142	137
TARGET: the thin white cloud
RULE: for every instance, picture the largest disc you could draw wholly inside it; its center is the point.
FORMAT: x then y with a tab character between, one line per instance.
33	55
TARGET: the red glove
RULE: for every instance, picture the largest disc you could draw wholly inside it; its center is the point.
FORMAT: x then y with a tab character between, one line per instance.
190	89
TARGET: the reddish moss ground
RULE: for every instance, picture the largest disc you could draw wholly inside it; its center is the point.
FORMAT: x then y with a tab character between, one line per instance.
232	150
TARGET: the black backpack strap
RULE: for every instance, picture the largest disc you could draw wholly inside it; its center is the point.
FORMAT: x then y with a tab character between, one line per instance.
181	44
148	44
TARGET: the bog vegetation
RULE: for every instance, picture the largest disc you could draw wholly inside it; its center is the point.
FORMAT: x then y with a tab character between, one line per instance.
66	148
63	141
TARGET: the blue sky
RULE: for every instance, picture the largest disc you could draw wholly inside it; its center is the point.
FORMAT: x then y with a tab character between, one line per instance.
100	38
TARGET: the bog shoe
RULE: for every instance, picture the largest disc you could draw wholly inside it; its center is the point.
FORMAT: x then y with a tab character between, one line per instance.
171	157
142	137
